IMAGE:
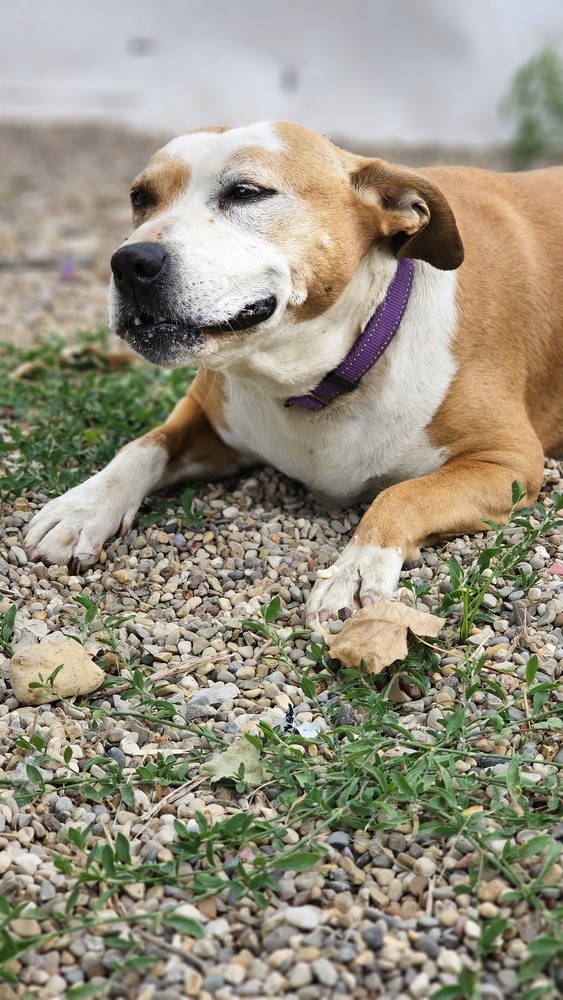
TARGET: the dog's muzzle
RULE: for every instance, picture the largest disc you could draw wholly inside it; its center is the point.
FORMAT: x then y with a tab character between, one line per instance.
142	275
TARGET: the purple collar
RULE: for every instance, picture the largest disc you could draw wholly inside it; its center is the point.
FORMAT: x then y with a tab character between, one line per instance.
369	346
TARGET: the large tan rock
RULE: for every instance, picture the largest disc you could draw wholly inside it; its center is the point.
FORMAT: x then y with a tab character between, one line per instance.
35	664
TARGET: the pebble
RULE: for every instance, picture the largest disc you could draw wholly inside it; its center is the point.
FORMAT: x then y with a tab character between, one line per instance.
338	839
449	961
306	918
19	555
346	716
420	985
397	842
300	975
472	929
277	939
425	866
325	972
216	695
234	973
491	890
373	937
78	674
27	863
428	945
25	928
488	991
63	804
508	978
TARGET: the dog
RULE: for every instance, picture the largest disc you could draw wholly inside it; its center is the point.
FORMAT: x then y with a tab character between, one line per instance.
371	330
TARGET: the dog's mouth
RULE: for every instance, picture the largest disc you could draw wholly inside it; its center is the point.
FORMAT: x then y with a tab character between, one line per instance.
161	338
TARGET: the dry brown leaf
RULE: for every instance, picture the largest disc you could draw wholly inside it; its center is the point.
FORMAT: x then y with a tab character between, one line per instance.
27	368
377	634
69	355
113	359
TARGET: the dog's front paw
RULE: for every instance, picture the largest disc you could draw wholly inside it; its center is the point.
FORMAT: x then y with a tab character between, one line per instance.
360	576
73	528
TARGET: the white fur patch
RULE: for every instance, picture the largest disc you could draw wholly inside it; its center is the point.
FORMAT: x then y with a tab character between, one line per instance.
360	576
212	145
76	524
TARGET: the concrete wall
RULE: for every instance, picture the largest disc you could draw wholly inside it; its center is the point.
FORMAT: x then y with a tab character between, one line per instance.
398	70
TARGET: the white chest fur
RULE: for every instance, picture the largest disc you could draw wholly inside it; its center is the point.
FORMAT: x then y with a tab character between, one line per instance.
376	435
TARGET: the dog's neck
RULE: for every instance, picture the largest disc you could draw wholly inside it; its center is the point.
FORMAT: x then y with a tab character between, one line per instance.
369	346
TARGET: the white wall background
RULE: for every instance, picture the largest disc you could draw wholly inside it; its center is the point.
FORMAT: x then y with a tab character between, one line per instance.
393	70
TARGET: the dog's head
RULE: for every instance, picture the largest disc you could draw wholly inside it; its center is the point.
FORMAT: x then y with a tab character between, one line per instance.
245	239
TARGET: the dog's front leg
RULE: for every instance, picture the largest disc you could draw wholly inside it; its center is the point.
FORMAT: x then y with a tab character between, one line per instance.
451	501
73	528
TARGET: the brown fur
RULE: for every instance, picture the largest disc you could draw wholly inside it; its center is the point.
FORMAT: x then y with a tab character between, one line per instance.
189	435
161	182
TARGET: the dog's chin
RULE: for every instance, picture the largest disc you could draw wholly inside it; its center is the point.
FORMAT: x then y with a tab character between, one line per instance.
163	342
172	342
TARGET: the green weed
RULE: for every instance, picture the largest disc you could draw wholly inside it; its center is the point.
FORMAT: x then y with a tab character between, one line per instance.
7	620
499	558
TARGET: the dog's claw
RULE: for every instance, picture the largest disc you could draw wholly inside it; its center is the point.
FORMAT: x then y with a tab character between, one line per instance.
74	566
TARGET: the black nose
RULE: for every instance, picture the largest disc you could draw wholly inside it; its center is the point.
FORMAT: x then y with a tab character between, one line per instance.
137	265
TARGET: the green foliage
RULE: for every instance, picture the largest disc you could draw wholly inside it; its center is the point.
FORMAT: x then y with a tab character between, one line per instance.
195	863
466	988
500	557
95	625
191	517
69	416
545	953
535	102
7	621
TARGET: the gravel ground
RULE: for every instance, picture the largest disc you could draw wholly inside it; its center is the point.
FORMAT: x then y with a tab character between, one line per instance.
380	917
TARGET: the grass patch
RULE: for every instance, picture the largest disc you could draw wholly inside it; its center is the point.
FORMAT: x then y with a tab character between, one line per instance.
66	418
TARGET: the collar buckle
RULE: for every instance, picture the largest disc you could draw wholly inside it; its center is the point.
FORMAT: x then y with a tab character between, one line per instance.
342	383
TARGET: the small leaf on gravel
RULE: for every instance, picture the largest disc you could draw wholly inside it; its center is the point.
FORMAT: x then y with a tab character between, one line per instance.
185	925
299	861
84	991
378	634
227	765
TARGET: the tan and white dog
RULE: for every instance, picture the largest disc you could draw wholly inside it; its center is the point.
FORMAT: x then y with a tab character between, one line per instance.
260	254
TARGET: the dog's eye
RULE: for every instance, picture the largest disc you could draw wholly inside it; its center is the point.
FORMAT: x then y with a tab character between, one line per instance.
139	199
246	192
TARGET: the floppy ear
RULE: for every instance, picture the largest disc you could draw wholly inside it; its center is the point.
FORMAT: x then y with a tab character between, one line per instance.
410	212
